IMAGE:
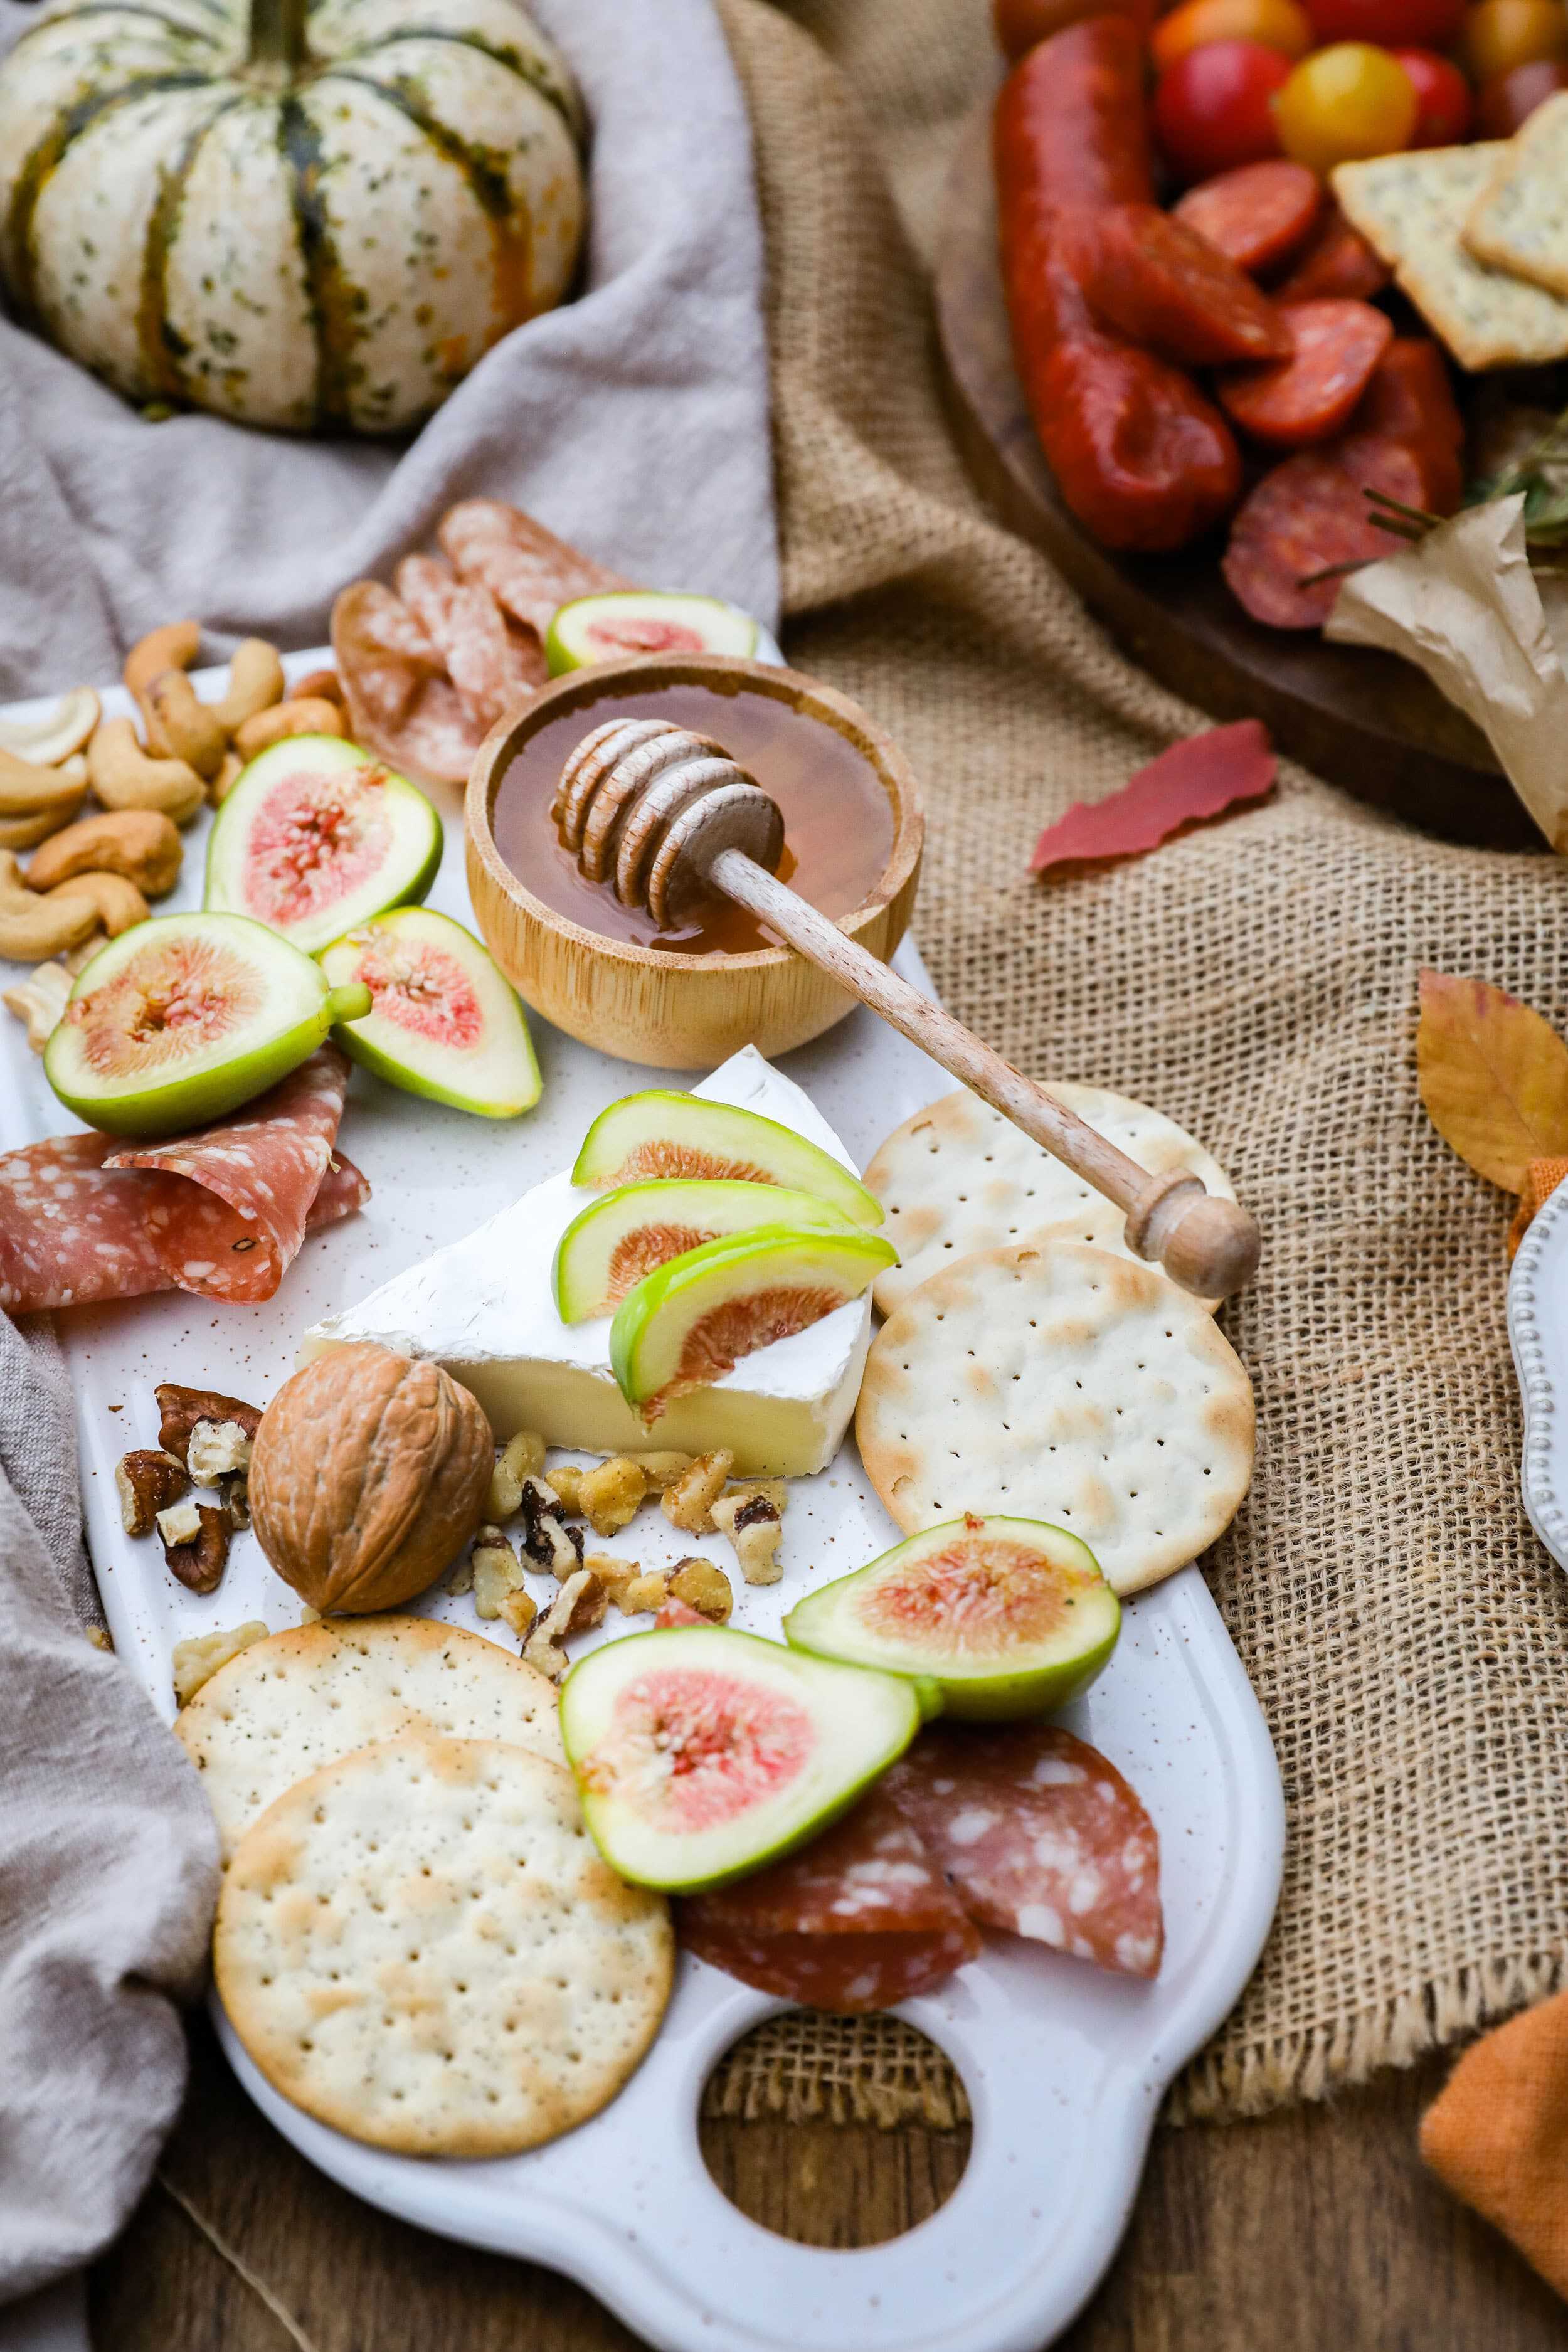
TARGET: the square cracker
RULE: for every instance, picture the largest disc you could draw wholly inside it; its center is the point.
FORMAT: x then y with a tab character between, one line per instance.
1412	210
1520	222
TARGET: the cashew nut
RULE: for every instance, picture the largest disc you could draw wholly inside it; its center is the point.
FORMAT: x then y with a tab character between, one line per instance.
24	832
255	682
26	789
308	716
123	777
227	776
34	928
39	1001
318	685
173	646
187	726
48	740
116	901
140	844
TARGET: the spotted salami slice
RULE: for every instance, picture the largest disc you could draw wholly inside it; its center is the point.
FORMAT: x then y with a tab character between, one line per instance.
859	1919
75	1234
401	704
1309	520
528	571
1038	1833
228	1206
493	667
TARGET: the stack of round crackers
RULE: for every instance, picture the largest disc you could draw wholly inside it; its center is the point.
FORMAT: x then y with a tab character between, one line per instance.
417	1941
1030	1363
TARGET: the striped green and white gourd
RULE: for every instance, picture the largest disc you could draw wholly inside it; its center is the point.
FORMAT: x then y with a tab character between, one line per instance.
313	216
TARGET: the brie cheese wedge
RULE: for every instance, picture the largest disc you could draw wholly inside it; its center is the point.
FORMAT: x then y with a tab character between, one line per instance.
484	1309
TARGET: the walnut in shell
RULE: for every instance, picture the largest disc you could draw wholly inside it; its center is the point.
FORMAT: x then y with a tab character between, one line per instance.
368	1476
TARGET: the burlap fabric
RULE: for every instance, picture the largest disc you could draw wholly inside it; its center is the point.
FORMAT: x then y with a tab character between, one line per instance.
1407	1636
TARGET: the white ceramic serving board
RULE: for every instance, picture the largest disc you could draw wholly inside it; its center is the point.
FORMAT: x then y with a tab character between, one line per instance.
1538	1334
1064	2065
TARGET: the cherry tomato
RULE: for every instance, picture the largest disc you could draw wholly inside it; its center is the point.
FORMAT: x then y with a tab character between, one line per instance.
1395	23
1212	110
1019	24
1277	24
1344	102
1511	98
1498	35
1444	105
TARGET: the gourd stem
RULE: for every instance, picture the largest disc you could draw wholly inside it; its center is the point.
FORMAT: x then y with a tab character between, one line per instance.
277	33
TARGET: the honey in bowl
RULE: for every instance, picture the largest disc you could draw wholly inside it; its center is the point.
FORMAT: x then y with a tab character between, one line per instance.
839	822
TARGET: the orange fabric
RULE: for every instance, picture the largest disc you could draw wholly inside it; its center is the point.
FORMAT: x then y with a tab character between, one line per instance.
1498	2134
1541	1179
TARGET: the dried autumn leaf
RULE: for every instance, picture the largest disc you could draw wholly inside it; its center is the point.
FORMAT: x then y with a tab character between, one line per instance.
1196	778
1493	1076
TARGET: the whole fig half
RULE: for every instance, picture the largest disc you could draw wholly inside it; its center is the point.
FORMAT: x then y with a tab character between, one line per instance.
368	1476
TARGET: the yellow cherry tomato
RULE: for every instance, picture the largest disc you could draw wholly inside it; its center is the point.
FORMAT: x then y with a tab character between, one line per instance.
1498	35
1277	24
1344	102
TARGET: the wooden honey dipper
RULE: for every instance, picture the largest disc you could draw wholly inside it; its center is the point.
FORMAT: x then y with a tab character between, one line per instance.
666	819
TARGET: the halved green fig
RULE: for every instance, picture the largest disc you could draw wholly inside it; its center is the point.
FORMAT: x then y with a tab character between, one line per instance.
1008	1617
645	621
701	1753
443	1021
663	1133
689	1322
606	1252
186	1016
315	836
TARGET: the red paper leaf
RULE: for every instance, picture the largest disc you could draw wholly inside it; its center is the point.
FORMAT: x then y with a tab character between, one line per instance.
1196	778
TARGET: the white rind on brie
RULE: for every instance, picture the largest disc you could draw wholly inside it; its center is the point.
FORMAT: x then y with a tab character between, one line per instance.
484	1309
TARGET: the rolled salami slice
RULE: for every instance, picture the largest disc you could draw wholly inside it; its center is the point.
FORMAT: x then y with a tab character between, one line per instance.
859	1919
228	1206
528	571
493	667
76	1234
401	704
1038	1833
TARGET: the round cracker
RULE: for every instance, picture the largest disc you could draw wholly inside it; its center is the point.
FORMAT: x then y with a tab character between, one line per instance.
287	1705
1060	1383
958	1177
422	1946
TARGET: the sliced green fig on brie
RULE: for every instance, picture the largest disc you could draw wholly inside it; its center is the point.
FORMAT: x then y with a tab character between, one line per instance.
316	835
186	1016
663	1133
606	1252
645	621
691	1321
1008	1617
443	1021
701	1753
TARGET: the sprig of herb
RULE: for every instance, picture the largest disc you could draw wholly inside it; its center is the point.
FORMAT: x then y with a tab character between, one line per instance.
1541	473
1408	523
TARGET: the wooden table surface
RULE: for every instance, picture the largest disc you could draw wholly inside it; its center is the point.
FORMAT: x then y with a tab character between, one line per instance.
1314	2228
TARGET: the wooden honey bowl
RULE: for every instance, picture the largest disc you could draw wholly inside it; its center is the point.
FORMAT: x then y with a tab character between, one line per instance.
656	1004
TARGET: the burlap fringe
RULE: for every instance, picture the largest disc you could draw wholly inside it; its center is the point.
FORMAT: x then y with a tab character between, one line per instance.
808	2067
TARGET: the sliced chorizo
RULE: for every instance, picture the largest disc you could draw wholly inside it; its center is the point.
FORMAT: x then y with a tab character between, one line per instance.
1308	397
1154	280
1309	516
1338	261
1258	216
1411	399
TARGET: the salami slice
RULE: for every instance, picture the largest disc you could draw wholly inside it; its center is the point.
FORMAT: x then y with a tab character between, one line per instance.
1309	516
1039	1834
493	668
1308	397
401	704
526	568
1257	216
859	1919
1410	400
228	1204
1153	278
1337	262
74	1233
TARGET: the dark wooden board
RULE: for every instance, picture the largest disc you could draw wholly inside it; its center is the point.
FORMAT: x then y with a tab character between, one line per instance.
1363	720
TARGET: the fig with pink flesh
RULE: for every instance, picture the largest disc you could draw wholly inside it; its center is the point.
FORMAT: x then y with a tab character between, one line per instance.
443	1021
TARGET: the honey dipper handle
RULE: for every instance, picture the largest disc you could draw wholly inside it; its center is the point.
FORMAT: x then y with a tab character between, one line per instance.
1208	1246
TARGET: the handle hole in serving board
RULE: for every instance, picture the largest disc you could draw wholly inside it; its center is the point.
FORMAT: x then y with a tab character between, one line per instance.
835	2131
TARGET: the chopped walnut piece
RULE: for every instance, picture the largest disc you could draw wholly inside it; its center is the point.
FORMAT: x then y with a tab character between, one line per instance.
459	1577
662	1470
497	1570
183	1407
579	1605
643	1593
614	1574
520	1609
521	1457
234	1492
98	1635
216	1449
546	1537
689	1503
196	1662
567	1481
197	1555
703	1587
610	1495
147	1482
751	1521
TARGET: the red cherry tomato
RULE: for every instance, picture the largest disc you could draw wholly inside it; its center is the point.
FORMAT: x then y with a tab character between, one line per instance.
1212	110
1442	97
1510	98
1390	24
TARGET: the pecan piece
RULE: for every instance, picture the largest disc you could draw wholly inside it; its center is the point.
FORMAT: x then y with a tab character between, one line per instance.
147	1482
197	1556
183	1407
